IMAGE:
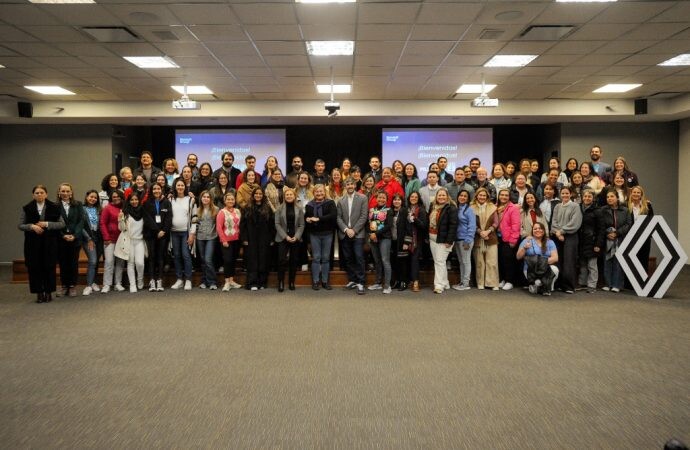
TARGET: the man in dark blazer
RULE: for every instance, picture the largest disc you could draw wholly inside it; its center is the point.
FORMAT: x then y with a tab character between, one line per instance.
352	220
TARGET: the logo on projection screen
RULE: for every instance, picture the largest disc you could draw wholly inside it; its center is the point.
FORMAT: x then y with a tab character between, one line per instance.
672	262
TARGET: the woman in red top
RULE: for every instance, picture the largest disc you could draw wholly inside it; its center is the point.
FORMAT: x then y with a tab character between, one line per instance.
139	187
508	237
389	185
110	233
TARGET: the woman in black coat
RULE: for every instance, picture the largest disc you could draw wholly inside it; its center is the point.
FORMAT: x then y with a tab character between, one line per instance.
257	231
400	231
41	221
443	227
157	224
71	239
589	235
419	223
614	223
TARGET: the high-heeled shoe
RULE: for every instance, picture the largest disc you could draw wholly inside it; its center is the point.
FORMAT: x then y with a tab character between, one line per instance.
40	297
281	285
415	286
402	286
291	286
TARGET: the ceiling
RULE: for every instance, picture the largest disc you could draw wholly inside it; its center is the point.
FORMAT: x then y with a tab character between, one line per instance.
404	50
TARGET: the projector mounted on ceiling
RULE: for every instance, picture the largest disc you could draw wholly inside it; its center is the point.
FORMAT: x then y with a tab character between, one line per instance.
184	103
483	101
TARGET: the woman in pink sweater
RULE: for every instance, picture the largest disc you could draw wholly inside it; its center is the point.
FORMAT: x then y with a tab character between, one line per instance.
110	233
228	228
508	237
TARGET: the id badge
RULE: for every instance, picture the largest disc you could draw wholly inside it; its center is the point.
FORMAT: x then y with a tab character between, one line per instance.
158	218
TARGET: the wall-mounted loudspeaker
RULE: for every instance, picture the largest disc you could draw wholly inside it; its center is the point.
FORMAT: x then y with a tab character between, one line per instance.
25	109
640	106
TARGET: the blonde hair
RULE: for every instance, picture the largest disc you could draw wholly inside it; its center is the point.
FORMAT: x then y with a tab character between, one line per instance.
644	201
212	208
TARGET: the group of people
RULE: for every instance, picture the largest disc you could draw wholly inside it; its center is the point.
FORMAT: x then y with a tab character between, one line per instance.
562	225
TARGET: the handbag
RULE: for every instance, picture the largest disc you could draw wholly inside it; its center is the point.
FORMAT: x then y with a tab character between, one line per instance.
122	245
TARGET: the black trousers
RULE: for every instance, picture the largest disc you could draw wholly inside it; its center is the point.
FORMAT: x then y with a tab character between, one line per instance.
68	257
399	264
41	270
288	259
507	262
229	258
157	249
567	261
413	262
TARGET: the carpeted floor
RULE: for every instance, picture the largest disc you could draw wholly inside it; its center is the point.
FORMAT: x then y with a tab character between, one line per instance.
315	369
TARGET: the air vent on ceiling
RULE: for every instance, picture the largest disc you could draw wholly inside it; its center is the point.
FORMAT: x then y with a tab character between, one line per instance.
546	32
491	34
111	34
165	35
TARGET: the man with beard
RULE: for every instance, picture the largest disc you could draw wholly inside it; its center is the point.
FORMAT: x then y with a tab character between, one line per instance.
320	176
291	180
233	173
146	168
375	165
192	161
600	167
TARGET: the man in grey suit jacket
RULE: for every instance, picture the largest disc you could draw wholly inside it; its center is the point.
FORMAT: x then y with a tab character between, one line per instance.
352	220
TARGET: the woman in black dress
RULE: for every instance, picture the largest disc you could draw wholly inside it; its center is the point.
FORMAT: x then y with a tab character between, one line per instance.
70	241
257	231
41	221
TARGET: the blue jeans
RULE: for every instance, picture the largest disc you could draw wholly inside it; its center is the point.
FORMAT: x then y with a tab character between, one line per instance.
353	253
381	251
207	250
613	273
465	260
93	260
321	256
183	257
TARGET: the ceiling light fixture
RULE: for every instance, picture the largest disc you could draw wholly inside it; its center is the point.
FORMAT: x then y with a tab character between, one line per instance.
330	48
194	90
325	1
50	90
337	88
510	60
616	88
152	62
585	1
680	60
1	66
61	1
475	88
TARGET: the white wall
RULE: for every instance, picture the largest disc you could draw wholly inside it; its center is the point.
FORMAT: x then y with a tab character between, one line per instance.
682	195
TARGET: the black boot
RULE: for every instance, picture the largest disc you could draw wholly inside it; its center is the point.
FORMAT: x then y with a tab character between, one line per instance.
40	297
402	286
281	281
47	297
395	285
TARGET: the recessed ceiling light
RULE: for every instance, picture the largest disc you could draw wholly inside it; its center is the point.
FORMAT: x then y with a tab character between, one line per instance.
337	88
61	1
325	1
1	66
474	88
680	60
191	90
330	48
585	1
510	60
50	90
616	88
152	62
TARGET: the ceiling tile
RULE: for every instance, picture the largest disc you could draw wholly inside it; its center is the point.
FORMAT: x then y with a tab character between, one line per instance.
241	61
421	60
513	12
64	62
106	61
208	14
673	14
281	47
34	49
379	47
371	71
443	13
509	31
84	15
620	70
428	47
291	71
26	15
631	12
487	48
55	34
414	70
237	49
384	60
20	62
219	33
575	47
383	32
134	49
621	47
649	31
599	31
196	61
182	49
287	60
467	60
152	33
600	60
143	14
438	32
333	32
337	13
669	46
525	48
85	49
274	32
387	12
645	59
569	13
265	13
13	34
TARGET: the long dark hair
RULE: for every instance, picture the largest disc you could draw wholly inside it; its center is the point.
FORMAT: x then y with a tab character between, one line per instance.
105	183
131	211
525	206
263	208
98	202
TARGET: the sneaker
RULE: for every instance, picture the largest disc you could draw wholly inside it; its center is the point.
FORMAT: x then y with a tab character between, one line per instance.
234	285
501	284
305	267
95	288
569	291
87	290
350	285
360	289
387	290
495	288
119	288
457	287
375	287
546	293
464	287
507	286
480	286
616	290
106	289
591	290
133	289
213	287
254	288
226	287
178	284
533	288
537	283
140	284
605	288
202	286
152	286
159	285
188	285
438	291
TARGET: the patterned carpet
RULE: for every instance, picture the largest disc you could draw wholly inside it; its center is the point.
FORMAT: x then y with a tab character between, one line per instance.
314	370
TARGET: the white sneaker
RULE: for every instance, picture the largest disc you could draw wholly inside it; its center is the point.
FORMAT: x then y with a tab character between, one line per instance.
226	286
375	287
464	287
133	289
480	286
152	286
202	286
95	288
188	285
106	289
234	285
254	288
140	285
537	283
605	288
457	287
615	290
533	288
213	287
87	290
501	284
507	286
178	284
387	290
159	285
119	288
495	288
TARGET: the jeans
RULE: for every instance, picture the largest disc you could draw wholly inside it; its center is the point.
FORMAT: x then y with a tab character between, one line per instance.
439	253
93	260
207	251
321	256
183	257
353	253
465	261
381	251
112	264
589	272
613	273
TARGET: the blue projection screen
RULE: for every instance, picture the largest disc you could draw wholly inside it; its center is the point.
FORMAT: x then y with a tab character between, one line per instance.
209	146
422	146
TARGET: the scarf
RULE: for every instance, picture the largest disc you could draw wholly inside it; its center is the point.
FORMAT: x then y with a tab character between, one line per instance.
317	207
134	213
434	216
